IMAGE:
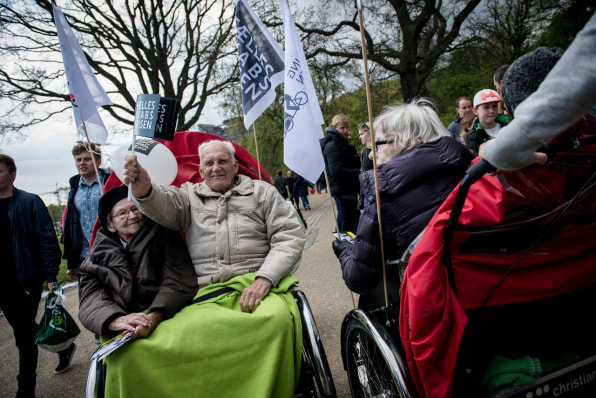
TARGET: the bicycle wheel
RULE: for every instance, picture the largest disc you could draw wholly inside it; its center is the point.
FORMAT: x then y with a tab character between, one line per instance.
370	358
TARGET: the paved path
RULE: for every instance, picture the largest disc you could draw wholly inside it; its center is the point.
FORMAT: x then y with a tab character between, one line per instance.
320	279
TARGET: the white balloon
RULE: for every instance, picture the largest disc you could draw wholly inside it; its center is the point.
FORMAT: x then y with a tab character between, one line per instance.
155	157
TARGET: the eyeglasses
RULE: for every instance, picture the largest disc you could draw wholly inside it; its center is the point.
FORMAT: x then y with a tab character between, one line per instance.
364	126
123	214
383	142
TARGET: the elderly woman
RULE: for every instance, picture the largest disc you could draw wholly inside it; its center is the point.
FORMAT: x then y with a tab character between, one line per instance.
137	274
419	163
242	335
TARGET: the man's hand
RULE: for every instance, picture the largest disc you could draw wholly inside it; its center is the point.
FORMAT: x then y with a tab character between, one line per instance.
51	286
137	175
139	324
253	295
71	273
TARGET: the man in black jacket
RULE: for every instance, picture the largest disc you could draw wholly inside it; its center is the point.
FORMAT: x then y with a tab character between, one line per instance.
343	169
30	256
81	208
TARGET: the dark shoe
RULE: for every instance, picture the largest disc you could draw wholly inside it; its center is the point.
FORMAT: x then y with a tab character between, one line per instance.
65	359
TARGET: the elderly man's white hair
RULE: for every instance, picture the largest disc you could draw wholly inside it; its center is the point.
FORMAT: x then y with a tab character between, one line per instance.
411	124
229	146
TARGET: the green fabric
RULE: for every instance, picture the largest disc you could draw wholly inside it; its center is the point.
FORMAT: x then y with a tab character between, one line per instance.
212	349
505	373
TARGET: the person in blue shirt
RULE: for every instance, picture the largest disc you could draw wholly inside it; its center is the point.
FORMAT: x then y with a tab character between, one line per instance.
81	208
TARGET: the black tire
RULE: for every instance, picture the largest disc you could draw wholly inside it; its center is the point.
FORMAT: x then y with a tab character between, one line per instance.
369	374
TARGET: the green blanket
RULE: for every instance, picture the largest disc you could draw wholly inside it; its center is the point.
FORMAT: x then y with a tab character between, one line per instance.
212	349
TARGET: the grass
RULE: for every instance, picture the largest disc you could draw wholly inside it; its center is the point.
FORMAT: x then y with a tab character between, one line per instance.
61	277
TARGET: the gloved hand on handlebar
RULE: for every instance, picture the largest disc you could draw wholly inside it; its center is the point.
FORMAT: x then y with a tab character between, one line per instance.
339	246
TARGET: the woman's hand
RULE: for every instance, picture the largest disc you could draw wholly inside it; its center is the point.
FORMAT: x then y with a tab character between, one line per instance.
139	324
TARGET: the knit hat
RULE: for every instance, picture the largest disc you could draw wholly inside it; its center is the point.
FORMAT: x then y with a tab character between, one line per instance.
485	96
524	76
108	200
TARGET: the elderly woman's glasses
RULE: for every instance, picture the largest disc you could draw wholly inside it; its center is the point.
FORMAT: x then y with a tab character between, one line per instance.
123	214
383	142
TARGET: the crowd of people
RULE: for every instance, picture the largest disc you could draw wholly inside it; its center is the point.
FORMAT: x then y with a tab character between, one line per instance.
243	239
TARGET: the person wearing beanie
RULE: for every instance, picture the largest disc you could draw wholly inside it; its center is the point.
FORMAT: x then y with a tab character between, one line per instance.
567	94
488	122
137	274
524	76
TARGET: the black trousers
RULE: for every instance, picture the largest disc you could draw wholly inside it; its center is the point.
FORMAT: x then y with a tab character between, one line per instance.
348	214
20	309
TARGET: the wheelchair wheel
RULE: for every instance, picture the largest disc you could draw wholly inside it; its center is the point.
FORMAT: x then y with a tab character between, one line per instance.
315	376
371	359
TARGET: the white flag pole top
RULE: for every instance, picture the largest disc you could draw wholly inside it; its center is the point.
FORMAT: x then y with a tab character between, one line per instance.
261	63
359	4
302	113
86	95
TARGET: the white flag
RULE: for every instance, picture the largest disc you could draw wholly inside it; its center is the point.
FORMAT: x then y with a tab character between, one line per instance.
261	63
302	113
86	95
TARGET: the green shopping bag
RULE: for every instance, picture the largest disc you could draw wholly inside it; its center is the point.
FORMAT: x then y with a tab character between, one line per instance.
57	329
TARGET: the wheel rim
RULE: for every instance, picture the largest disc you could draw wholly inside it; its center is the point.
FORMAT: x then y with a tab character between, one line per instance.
368	373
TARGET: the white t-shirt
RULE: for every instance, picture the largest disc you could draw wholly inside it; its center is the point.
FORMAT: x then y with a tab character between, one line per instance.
494	131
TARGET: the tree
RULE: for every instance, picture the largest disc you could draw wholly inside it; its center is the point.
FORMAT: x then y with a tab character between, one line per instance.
404	38
182	49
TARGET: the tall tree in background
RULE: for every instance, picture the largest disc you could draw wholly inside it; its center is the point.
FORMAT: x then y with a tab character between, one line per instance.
180	49
404	38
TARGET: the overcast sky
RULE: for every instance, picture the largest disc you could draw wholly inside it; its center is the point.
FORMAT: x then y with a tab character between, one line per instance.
44	160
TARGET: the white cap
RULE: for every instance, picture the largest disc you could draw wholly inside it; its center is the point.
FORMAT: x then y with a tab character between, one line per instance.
485	96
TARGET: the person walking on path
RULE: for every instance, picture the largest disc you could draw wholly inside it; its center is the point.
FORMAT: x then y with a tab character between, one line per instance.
31	255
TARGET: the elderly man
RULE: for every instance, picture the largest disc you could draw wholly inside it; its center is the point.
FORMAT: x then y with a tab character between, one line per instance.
242	335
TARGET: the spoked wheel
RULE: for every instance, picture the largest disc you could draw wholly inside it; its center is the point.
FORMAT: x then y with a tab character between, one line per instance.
368	374
375	369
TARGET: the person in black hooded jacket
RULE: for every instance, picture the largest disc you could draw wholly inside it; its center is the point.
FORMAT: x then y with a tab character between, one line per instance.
419	164
343	169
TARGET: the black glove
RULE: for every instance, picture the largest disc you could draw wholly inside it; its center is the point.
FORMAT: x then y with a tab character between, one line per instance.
339	246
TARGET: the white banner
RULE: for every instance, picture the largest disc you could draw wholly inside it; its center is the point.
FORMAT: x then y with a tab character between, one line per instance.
86	95
302	113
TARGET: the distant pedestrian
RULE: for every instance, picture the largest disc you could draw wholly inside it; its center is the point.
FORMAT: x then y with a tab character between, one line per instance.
301	187
30	255
291	179
321	184
281	184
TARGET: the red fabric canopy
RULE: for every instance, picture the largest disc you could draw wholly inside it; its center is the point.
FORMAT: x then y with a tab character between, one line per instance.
433	317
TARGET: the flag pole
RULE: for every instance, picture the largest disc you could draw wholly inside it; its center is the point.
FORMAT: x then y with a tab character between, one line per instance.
93	155
132	153
254	130
374	154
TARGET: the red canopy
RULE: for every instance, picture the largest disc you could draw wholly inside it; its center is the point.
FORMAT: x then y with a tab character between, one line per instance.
433	318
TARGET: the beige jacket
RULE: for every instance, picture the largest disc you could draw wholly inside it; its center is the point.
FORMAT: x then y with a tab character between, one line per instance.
249	228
